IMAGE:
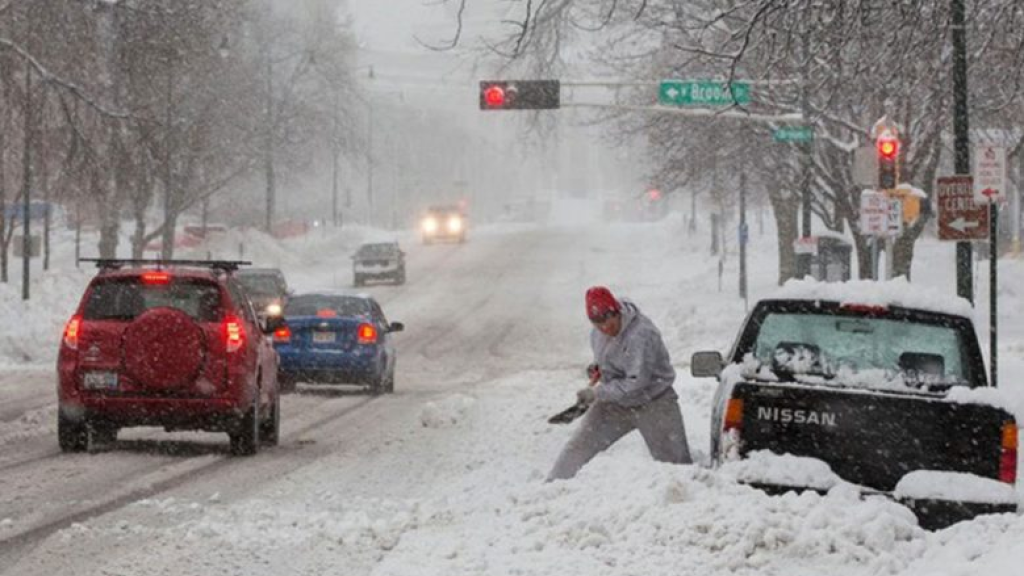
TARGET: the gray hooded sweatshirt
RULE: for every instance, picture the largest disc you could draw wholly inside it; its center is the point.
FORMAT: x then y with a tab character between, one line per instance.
635	366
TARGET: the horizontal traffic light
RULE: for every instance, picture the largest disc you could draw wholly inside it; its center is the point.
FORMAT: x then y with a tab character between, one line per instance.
519	94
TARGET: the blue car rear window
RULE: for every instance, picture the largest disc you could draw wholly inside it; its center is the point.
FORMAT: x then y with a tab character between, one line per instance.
310	305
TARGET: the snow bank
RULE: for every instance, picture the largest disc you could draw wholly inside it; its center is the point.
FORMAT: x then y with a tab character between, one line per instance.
33	329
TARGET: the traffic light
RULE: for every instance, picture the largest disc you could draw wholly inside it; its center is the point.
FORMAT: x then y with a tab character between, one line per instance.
888	147
519	94
654	194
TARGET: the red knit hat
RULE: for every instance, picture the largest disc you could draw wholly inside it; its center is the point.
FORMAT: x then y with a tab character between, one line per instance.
600	302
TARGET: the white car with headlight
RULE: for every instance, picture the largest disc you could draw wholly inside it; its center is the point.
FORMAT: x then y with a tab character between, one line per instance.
443	223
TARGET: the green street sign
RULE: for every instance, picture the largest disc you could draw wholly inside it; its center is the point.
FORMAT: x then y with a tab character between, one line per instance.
702	93
794	134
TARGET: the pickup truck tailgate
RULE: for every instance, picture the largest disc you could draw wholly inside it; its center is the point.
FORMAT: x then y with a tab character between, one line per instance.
871	438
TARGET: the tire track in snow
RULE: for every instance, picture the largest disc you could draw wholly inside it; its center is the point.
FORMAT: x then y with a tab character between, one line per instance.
15	545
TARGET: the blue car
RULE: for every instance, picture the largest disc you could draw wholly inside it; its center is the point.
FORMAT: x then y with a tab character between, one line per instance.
336	339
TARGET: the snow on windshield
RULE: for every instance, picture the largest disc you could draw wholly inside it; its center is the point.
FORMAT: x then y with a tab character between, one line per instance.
854	351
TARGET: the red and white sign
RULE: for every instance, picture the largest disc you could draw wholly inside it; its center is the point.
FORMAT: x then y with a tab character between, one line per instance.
960	217
874	213
989	173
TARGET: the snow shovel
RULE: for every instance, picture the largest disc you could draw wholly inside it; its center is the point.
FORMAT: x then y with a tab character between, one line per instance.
569	414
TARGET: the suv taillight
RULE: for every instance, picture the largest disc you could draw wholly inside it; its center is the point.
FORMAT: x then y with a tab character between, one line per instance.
367	334
72	332
283	334
234	334
1008	456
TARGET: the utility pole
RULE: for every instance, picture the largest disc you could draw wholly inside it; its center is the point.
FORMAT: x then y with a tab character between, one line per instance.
962	143
268	144
334	161
26	159
369	162
743	235
167	244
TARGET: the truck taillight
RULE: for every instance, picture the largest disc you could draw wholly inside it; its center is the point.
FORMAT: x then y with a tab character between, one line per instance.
1008	456
234	334
367	334
72	331
733	415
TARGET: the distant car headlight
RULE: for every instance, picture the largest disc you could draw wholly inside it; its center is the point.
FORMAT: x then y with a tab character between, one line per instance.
454	224
430	225
273	309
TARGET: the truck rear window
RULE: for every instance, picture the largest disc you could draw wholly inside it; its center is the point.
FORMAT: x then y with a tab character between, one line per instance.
873	352
126	298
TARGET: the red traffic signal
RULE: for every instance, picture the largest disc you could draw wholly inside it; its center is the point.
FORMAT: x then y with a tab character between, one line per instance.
654	194
888	147
519	94
494	96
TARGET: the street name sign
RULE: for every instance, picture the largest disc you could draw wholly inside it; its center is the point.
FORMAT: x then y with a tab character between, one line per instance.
989	173
960	217
793	134
702	93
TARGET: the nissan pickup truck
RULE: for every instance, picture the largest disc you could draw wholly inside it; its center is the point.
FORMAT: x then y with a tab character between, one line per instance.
889	391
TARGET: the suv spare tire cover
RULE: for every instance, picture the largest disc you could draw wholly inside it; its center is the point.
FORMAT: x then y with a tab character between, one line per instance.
163	348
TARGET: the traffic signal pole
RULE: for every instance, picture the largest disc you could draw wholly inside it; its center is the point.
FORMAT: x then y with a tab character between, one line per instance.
806	149
962	151
993	320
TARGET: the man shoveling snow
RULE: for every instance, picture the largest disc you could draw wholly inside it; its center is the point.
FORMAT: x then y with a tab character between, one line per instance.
631	388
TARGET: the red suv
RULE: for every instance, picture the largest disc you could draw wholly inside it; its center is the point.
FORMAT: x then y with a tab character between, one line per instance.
167	343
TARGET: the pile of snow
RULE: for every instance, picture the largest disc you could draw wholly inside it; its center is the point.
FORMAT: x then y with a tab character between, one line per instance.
766	467
957	486
447	412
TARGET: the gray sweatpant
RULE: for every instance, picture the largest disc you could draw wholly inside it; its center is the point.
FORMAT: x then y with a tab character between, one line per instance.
660	423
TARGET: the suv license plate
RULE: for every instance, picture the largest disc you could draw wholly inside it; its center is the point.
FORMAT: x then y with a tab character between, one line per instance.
100	380
323	337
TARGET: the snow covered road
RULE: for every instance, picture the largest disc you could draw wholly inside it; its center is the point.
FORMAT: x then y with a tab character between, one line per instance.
445	476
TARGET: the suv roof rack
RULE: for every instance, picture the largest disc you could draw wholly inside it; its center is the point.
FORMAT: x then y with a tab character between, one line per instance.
118	263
